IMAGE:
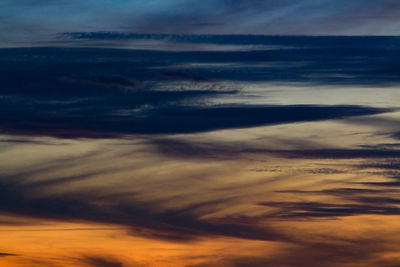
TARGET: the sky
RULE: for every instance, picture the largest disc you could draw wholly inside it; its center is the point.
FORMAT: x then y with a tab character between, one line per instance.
24	22
199	133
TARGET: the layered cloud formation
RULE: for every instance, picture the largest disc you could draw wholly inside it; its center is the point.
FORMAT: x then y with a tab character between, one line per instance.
159	145
110	93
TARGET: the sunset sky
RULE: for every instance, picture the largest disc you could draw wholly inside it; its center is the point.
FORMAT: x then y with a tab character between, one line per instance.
199	133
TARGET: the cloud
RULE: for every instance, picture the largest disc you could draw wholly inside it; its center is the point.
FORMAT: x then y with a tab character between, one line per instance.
284	42
98	122
184	148
338	153
95	261
2	254
27	193
362	202
102	207
396	135
97	93
315	253
301	210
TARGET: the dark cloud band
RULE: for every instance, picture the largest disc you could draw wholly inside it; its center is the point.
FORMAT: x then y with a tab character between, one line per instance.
106	93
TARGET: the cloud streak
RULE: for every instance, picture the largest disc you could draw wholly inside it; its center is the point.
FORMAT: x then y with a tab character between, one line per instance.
7	254
95	261
141	218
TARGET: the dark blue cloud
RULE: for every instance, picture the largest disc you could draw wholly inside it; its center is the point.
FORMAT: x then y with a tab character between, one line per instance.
93	119
106	93
184	149
280	41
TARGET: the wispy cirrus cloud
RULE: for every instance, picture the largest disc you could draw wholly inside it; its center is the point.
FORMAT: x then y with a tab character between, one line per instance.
140	217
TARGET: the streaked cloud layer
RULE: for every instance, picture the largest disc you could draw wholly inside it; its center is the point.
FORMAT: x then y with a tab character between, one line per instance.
128	137
281	151
112	93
